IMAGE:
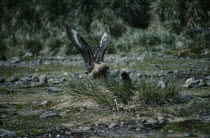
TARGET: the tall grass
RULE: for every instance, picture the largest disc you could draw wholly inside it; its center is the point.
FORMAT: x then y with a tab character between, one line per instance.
113	92
42	22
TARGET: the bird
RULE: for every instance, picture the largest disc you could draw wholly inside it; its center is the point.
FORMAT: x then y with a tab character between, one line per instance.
95	65
126	78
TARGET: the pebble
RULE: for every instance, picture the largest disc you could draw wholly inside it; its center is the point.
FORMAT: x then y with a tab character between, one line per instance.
42	79
112	125
161	84
186	97
190	83
6	133
37	84
13	79
170	131
15	60
28	55
48	114
54	89
186	134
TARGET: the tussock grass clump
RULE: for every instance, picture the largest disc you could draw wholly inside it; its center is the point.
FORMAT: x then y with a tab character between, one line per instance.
114	93
151	93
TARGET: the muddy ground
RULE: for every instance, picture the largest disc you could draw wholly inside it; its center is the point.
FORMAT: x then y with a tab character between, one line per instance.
50	111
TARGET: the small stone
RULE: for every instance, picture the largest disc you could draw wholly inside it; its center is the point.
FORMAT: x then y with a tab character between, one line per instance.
15	60
190	82
63	114
48	114
54	89
6	133
42	79
55	82
3	58
13	79
201	83
208	83
186	97
28	55
44	103
186	134
2	80
113	74
25	80
170	131
37	84
65	73
206	119
208	77
96	124
86	128
112	125
39	61
157	65
161	84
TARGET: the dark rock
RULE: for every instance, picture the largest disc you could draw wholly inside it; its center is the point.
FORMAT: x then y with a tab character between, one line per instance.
114	74
157	65
2	80
206	119
48	114
25	80
126	78
54	89
3	58
170	72
43	79
185	97
13	79
15	60
63	79
6	133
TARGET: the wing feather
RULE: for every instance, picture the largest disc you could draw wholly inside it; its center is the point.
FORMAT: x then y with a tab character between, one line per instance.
102	48
82	46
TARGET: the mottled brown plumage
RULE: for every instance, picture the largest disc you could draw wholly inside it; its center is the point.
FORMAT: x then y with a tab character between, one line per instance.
94	64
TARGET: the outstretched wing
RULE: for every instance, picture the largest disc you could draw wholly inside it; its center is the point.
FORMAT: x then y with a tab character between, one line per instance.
102	48
82	46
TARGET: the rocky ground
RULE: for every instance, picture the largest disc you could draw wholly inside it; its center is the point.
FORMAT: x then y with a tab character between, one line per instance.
34	98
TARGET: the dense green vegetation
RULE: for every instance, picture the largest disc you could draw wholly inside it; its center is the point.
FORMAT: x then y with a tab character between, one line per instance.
36	26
